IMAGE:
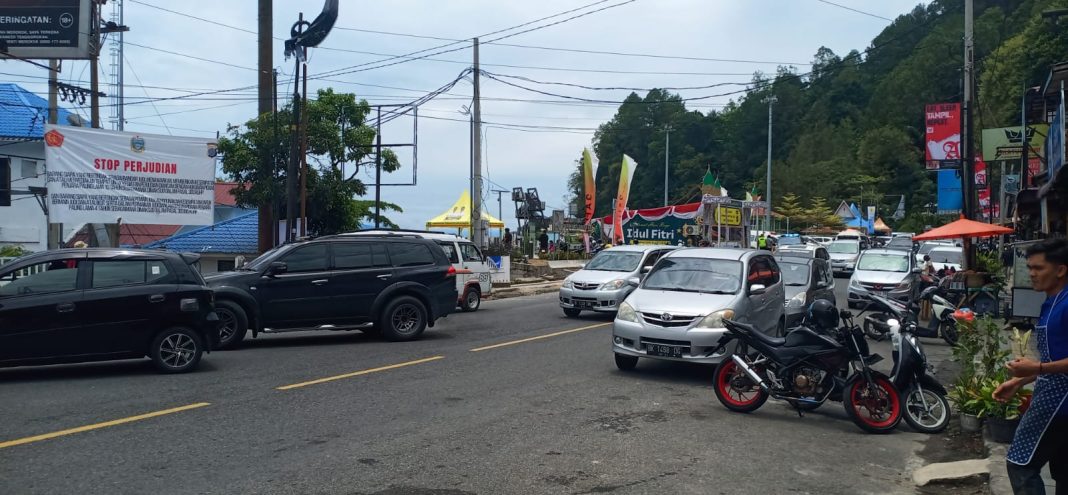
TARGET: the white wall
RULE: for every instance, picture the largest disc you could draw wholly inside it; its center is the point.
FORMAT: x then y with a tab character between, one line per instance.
24	223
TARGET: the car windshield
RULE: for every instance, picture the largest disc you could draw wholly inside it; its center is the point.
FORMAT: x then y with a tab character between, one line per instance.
710	276
844	247
615	261
790	240
794	274
900	242
950	256
883	263
927	247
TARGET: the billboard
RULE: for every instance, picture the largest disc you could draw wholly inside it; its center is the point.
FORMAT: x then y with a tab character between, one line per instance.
943	136
1006	143
99	176
45	28
949	192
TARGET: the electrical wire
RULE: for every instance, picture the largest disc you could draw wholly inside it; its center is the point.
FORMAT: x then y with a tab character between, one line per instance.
855	10
617	88
138	78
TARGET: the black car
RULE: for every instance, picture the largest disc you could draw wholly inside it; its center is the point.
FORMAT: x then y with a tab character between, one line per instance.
76	305
393	285
805	280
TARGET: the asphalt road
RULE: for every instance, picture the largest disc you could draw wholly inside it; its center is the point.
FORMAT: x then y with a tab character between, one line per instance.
454	413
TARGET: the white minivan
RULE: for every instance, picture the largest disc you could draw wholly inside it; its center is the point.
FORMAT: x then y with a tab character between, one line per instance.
473	274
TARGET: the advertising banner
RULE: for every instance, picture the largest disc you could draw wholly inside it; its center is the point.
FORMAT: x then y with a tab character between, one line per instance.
980	174
1006	143
37	29
667	230
1055	142
943	136
589	174
100	176
626	174
949	194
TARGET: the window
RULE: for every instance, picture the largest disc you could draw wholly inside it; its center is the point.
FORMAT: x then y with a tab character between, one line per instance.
225	266
763	271
116	273
826	275
652	259
450	251
775	274
470	253
351	255
310	258
409	254
29	169
41	278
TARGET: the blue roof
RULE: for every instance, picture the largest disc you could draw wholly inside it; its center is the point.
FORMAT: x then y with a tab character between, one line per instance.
238	235
23	114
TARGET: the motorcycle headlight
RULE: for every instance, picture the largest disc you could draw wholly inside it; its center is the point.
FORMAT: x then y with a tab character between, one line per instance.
797	301
626	313
568	284
613	285
715	320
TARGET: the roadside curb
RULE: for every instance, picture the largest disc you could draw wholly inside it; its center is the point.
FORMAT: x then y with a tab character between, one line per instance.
525	290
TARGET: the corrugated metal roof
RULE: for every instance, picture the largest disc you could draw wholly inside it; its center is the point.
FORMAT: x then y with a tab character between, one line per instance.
238	235
23	114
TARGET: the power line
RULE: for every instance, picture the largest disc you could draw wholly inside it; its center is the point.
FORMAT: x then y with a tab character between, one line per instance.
194	57
134	71
855	10
617	88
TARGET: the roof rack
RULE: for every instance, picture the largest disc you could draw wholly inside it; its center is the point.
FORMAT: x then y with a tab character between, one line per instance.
393	231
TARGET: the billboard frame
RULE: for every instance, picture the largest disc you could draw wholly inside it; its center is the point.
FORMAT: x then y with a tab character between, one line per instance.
81	51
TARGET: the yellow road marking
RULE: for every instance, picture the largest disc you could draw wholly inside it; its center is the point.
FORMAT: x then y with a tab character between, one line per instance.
358	373
539	337
97	426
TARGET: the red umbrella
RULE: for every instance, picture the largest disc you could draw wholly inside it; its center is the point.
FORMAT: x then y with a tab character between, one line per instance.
963	228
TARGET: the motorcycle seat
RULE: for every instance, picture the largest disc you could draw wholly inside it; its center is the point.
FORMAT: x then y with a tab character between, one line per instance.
757	334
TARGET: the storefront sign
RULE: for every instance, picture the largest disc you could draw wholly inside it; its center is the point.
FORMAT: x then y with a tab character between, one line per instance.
1006	143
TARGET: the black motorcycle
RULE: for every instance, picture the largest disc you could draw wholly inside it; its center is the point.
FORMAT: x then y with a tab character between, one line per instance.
942	323
806	369
923	398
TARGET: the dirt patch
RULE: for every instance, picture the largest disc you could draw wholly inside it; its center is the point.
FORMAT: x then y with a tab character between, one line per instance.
955	445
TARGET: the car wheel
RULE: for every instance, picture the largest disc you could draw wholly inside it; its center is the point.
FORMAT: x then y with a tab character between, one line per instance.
233	324
404	318
176	350
472	299
572	312
625	362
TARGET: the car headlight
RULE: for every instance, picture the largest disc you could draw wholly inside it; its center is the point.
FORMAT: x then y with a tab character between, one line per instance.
854	284
613	285
568	284
626	313
797	301
906	285
715	320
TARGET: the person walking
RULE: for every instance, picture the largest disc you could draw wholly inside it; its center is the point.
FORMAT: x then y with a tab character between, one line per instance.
762	241
1042	436
543	241
507	240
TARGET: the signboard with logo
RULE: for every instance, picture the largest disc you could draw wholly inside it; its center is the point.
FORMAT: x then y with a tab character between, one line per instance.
667	230
45	28
729	216
949	193
100	176
1006	143
943	136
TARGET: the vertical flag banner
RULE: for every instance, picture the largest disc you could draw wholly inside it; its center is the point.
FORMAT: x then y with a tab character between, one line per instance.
626	173
943	136
589	173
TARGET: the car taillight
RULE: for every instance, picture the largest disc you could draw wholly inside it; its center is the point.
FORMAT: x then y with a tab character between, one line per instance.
451	272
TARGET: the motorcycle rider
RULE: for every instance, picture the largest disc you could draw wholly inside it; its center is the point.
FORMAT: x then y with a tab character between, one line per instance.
1042	435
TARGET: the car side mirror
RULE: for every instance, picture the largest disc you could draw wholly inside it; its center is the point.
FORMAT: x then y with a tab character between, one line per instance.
276	268
646	269
634	281
757	289
916	269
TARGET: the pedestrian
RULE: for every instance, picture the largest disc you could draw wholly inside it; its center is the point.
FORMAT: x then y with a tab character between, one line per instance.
507	238
1007	257
1042	436
928	266
543	241
762	241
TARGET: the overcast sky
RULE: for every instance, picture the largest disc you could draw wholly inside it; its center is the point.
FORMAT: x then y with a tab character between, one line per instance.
771	32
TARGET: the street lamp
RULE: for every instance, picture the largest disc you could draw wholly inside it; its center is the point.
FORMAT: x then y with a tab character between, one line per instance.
767	190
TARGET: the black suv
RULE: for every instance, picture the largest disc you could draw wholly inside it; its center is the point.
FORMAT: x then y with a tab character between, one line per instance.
393	285
76	305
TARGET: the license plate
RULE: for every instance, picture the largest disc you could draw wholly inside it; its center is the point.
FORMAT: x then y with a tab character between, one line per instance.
663	350
583	304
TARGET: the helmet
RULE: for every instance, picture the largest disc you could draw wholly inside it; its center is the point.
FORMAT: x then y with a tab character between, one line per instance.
823	313
928	292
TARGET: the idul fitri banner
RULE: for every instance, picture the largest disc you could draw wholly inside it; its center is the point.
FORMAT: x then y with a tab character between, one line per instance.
101	176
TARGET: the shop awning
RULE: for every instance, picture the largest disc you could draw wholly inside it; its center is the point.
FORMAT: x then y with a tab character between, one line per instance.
459	216
961	229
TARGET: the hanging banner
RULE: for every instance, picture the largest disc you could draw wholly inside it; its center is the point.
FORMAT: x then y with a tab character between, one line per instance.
101	176
949	195
1055	143
943	136
589	173
626	173
1006	143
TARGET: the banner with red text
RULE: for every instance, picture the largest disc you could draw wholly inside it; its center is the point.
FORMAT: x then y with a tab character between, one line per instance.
943	136
102	176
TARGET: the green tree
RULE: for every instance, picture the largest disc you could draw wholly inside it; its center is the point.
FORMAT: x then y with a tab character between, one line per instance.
821	214
789	205
337	134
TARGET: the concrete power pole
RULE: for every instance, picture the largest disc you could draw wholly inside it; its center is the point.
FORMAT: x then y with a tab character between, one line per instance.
476	160
667	156
967	157
767	188
94	63
54	232
266	89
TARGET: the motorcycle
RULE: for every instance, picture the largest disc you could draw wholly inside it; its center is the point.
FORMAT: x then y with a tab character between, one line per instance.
923	398
806	369
942	323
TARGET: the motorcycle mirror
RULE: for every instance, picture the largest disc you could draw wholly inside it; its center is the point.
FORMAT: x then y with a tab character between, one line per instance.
894	324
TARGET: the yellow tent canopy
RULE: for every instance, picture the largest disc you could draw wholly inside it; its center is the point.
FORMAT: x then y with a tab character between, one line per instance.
459	216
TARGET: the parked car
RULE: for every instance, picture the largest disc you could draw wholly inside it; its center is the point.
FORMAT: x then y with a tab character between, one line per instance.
900	243
884	272
392	285
821	240
855	235
79	305
945	257
602	283
804	280
844	254
677	311
805	251
473	273
926	247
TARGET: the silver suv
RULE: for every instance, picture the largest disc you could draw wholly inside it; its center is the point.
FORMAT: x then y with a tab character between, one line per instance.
602	284
677	311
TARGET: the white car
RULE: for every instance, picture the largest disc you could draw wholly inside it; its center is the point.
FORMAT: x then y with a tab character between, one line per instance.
926	248
946	257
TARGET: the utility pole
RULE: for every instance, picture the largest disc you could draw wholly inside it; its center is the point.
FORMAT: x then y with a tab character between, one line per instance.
266	92
378	169
304	152
767	189
293	171
500	207
476	159
967	168
52	232
94	62
667	155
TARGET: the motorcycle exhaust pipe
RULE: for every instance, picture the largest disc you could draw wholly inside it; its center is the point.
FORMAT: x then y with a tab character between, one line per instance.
749	372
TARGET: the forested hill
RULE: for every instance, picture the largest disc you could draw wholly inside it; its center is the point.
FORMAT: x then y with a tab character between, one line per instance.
852	126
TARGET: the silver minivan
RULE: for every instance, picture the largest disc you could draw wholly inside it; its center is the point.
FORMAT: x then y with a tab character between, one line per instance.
602	283
677	311
884	272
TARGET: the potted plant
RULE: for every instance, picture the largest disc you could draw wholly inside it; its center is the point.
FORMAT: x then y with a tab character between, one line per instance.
967	400
1002	418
